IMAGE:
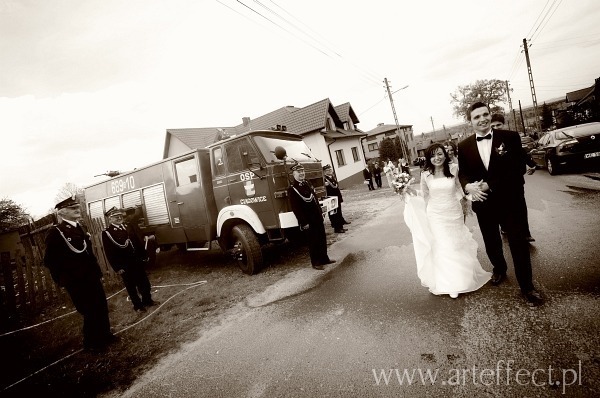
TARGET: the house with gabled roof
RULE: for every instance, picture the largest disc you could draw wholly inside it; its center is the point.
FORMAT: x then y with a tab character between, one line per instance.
329	131
375	136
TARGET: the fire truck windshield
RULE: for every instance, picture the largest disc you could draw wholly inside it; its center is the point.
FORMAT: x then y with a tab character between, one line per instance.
296	150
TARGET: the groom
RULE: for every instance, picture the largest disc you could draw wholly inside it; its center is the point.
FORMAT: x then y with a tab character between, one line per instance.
491	166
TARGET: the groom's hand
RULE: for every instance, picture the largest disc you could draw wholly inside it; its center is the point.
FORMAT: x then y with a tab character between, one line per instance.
477	190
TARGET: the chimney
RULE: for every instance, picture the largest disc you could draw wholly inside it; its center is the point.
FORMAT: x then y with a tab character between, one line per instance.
246	121
380	124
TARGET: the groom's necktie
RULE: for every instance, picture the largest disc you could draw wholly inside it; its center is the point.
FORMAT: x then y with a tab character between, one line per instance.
485	137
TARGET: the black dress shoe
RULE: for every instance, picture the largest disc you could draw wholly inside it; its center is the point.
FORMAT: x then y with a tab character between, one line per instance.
318	266
497	279
339	230
534	298
529	239
346	222
112	338
329	262
150	303
139	308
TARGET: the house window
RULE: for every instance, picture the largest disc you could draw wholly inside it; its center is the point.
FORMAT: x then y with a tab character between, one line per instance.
355	154
339	155
373	147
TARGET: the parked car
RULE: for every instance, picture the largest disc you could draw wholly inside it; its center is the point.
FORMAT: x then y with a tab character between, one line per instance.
574	144
527	143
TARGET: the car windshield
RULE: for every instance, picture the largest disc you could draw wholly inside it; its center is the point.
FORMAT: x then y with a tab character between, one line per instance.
294	149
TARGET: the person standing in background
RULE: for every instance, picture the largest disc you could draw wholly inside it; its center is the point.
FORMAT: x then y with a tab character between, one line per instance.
126	255
377	174
498	124
368	176
332	187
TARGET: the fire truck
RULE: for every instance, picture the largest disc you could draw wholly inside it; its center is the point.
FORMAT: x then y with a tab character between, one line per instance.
233	192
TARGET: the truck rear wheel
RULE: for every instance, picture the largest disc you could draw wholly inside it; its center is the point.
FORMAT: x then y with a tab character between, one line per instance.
246	249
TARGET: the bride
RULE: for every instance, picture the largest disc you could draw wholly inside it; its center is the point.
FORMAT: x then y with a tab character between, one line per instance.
445	250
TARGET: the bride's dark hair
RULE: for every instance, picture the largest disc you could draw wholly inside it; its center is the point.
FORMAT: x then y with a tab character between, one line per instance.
430	167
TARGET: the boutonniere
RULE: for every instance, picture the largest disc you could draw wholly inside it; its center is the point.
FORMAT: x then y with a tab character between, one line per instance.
500	150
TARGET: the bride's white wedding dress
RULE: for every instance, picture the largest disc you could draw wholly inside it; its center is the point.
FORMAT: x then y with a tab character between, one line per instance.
445	250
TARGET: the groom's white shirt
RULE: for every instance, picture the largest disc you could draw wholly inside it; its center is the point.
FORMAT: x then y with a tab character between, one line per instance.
485	148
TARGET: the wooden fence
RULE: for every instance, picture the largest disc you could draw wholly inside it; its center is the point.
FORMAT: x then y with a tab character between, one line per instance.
26	287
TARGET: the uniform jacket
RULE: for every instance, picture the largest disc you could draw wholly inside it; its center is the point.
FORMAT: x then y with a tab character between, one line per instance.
305	204
122	247
367	174
332	187
69	255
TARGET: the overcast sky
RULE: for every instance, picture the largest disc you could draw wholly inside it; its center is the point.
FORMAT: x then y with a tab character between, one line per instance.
91	86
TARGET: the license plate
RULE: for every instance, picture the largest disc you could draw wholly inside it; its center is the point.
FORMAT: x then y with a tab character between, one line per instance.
591	155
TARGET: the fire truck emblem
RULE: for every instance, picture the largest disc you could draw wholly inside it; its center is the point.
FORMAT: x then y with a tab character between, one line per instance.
249	187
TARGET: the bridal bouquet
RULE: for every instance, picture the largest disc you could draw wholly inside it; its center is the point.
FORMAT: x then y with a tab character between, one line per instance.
400	182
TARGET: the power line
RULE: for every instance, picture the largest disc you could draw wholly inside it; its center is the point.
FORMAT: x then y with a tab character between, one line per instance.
541	27
371	72
368	78
537	19
282	28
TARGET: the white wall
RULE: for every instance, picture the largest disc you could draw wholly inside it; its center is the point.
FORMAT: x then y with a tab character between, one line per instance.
176	146
351	167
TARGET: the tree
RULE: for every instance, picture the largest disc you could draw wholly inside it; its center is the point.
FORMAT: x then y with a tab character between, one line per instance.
68	190
12	215
398	146
490	92
387	150
547	121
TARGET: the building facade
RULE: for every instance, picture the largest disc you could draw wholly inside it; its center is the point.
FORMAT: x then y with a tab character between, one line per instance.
372	141
330	132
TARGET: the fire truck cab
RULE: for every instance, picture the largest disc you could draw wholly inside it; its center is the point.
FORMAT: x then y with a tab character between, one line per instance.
234	191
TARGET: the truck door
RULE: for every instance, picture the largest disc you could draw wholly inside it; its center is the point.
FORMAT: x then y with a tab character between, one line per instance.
247	183
189	197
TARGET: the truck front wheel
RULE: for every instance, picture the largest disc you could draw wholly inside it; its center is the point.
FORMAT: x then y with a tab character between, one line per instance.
246	249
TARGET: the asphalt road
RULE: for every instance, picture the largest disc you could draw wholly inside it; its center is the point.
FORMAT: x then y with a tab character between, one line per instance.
366	328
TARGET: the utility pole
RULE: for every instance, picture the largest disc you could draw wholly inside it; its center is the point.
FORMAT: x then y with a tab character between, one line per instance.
510	108
403	146
535	112
432	126
522	121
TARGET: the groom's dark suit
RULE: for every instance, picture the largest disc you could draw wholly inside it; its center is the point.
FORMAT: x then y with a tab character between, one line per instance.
504	176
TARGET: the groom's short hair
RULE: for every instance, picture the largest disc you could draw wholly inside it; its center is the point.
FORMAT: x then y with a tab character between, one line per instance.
474	106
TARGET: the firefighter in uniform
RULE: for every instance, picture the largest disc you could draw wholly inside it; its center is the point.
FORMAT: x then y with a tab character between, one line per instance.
331	184
126	255
307	210
74	266
132	218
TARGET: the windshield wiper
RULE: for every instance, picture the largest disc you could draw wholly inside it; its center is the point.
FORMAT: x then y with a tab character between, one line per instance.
308	156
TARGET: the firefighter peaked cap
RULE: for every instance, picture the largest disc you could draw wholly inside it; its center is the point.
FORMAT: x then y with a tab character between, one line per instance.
113	211
66	203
